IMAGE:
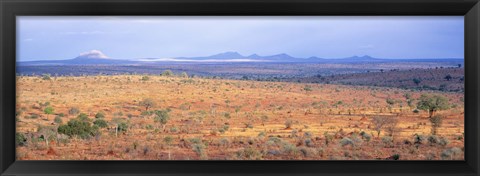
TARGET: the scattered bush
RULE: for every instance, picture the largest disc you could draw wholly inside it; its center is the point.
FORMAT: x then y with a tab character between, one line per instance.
20	139
387	141
346	141
75	127
167	73
168	140
58	120
396	156
32	116
100	115
288	148
73	111
122	127
199	149
46	77
433	139
161	116
443	141
288	124
249	153
147	103
100	123
450	154
83	117
366	136
307	152
419	139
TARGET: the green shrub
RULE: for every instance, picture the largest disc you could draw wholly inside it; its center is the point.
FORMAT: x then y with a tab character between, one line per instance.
199	149
58	120
122	127
396	156
48	110
168	140
100	123
83	117
75	127
20	139
100	115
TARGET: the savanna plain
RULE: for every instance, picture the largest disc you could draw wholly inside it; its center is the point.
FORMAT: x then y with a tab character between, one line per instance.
176	116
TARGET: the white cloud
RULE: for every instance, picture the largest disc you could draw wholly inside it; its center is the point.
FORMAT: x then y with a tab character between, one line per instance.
93	54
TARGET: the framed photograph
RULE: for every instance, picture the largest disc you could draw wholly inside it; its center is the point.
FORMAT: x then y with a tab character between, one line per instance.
239	87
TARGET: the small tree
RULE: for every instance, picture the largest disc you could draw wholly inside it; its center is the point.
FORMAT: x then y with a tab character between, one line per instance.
432	103
162	117
417	81
184	75
48	110
47	132
379	122
392	126
167	73
147	103
448	77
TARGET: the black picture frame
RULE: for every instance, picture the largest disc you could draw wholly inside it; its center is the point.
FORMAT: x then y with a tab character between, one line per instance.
9	9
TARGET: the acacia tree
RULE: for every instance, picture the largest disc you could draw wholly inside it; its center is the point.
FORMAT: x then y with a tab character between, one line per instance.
392	126
378	123
384	122
162	117
48	110
47	132
432	103
147	103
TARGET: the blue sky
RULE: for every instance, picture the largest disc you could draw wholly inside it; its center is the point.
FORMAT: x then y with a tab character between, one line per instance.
58	38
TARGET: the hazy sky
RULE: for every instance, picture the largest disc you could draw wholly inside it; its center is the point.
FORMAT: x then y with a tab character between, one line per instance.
52	38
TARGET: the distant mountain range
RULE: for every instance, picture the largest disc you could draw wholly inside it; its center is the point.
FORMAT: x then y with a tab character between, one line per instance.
96	57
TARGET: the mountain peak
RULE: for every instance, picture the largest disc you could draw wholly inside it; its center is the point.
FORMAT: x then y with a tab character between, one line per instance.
92	54
360	57
227	55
